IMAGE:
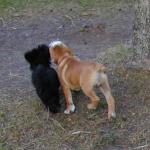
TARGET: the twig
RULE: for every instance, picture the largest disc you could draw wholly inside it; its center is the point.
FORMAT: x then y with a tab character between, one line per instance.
13	75
58	124
12	8
141	146
72	22
78	132
3	22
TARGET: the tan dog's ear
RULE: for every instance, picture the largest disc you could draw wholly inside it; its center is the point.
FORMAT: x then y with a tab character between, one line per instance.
55	53
68	50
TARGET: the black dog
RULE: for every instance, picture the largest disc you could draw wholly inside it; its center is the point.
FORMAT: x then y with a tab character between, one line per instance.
44	77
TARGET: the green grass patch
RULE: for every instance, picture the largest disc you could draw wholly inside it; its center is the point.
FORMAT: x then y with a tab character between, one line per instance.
115	55
103	104
8	7
2	146
2	114
103	3
12	4
85	3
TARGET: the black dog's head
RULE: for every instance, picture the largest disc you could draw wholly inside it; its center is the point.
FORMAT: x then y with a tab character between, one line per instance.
39	55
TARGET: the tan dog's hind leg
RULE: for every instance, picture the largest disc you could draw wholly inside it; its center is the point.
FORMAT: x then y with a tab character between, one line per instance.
88	91
105	89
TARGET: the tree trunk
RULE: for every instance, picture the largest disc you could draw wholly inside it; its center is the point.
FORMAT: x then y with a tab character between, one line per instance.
141	34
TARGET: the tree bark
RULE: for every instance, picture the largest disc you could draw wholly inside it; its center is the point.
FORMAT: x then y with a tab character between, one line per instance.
141	32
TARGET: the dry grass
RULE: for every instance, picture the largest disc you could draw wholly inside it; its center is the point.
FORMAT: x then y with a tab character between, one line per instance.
26	125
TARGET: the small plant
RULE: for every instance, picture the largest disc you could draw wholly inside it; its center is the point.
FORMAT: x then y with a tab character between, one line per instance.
2	146
2	114
103	104
108	138
105	139
115	55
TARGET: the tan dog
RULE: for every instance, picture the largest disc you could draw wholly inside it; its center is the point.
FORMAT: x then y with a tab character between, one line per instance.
75	74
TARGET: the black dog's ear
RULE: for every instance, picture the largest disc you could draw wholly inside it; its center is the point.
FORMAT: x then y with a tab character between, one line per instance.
45	50
30	56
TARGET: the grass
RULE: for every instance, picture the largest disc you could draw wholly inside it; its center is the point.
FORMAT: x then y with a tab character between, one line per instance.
9	8
85	3
105	139
116	55
30	126
104	3
15	8
12	3
26	125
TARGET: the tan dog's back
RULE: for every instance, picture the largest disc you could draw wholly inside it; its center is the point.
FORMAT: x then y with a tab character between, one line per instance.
75	72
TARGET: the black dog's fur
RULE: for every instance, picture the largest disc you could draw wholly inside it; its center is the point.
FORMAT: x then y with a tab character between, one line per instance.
44	77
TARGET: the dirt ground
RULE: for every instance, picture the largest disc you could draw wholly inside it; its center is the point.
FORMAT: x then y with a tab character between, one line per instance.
99	31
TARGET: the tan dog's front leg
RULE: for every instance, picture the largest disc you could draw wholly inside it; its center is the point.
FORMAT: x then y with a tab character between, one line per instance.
69	101
68	97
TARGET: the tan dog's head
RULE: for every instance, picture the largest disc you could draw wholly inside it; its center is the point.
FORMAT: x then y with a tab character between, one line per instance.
58	50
